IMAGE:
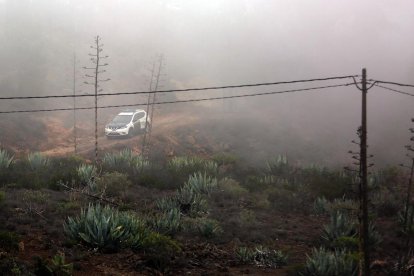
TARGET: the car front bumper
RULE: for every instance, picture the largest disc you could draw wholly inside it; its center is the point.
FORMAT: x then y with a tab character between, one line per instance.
117	132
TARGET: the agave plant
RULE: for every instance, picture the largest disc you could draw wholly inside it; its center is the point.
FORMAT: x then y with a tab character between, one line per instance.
58	266
327	263
244	255
167	203
340	226
208	228
86	173
321	206
5	159
261	256
269	258
37	160
186	165
105	228
168	223
201	183
125	160
190	202
279	166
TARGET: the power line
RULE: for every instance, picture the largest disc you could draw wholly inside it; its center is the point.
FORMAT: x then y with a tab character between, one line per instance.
178	90
393	83
181	101
395	90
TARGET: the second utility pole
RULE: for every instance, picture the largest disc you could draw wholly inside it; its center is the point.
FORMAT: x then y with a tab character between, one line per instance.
363	189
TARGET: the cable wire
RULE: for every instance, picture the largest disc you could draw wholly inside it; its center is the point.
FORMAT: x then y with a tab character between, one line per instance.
395	90
180	101
177	90
393	83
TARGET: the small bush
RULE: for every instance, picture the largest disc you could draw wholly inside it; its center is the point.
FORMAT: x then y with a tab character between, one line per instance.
2	197
9	241
160	250
225	158
113	184
231	188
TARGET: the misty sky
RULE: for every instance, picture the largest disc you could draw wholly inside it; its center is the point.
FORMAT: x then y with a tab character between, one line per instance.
219	42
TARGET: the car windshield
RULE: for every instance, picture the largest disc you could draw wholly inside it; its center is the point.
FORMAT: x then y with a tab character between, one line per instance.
122	119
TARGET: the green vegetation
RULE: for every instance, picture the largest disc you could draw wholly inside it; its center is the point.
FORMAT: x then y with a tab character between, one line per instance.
37	161
5	160
56	266
261	256
180	168
9	241
326	263
125	161
86	173
105	228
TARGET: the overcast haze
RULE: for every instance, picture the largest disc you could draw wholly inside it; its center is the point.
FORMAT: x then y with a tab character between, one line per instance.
218	42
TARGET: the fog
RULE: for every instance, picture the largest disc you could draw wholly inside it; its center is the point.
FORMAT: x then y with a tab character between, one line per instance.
209	43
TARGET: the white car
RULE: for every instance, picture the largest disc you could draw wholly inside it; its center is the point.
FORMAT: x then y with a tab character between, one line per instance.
128	123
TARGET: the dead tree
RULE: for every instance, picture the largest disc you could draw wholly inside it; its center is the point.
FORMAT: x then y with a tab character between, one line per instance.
96	59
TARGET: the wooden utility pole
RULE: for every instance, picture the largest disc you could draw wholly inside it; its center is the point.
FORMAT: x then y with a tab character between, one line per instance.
408	221
363	189
74	105
96	59
153	88
144	140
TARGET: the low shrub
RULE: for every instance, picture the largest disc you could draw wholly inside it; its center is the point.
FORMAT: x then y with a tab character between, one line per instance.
113	184
224	158
9	241
63	170
2	197
231	188
160	250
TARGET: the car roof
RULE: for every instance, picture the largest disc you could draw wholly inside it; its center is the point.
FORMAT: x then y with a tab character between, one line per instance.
130	111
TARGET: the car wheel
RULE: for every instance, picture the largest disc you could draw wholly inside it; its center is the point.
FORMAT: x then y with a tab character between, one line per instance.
129	134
